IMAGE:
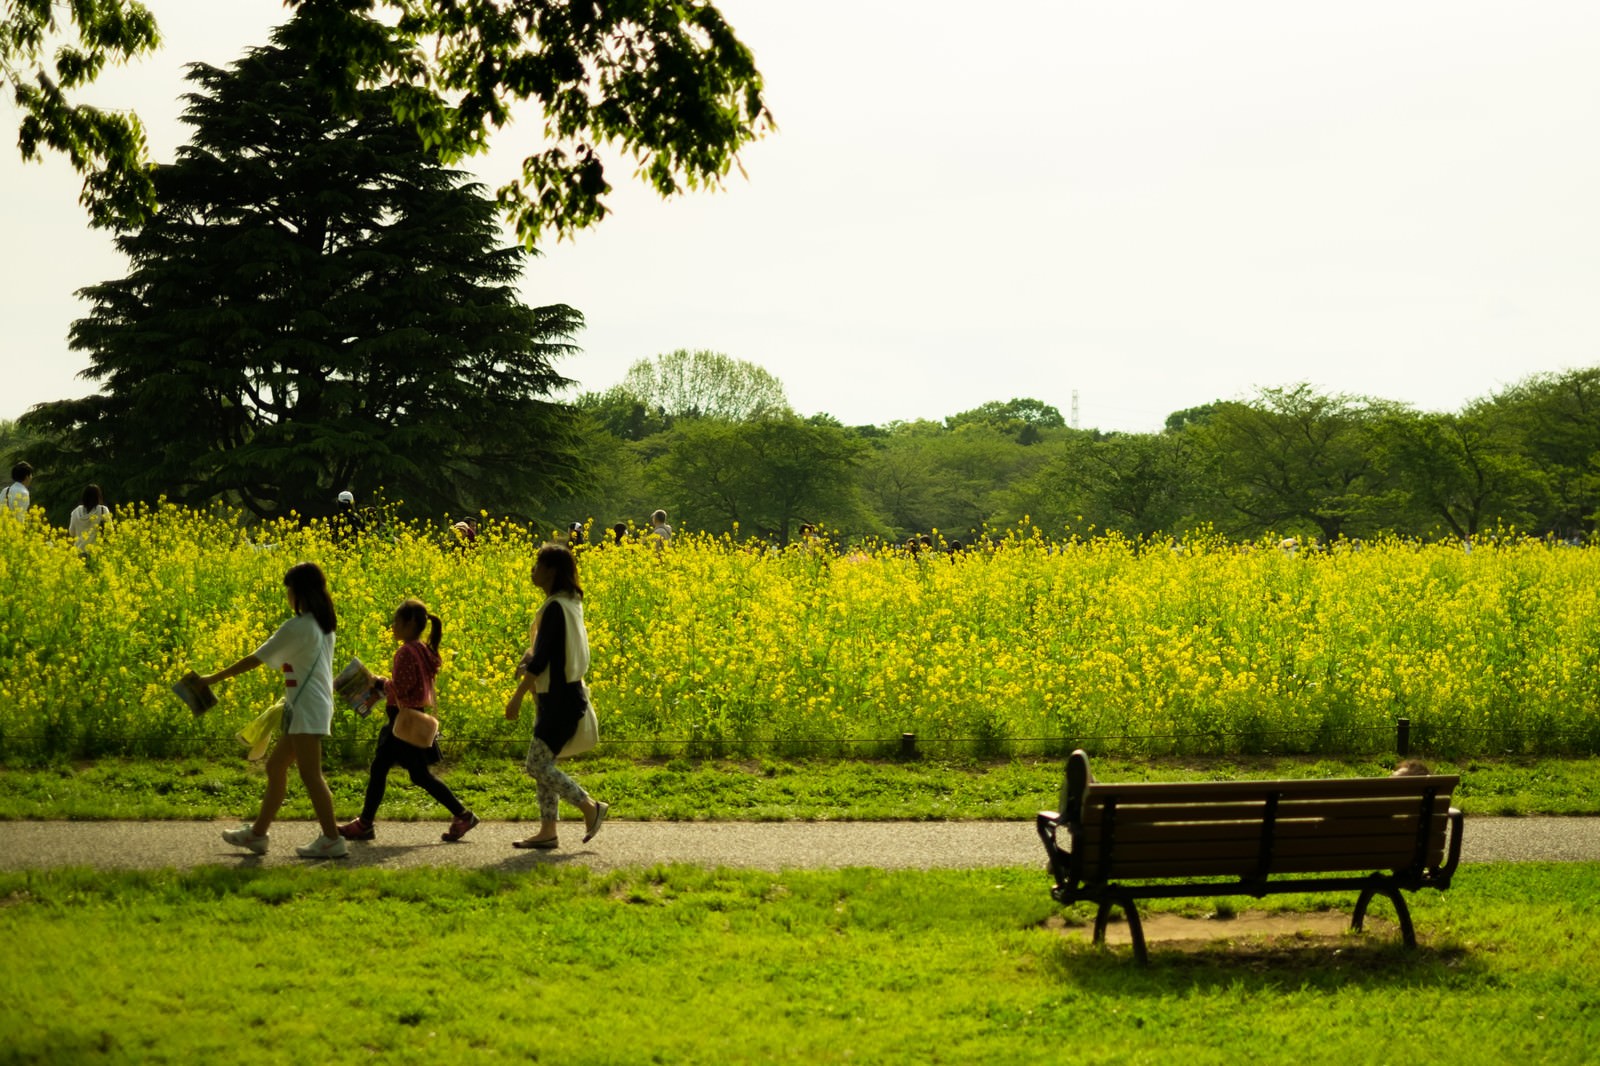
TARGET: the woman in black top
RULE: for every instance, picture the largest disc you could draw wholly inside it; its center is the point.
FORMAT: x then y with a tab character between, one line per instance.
553	669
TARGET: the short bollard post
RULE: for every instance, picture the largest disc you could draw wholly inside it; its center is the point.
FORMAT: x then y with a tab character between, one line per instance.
1402	737
908	745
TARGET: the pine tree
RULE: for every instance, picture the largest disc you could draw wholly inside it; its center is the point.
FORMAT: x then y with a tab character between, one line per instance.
317	305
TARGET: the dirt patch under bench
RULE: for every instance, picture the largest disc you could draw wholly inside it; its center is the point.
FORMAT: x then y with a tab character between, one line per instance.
1276	926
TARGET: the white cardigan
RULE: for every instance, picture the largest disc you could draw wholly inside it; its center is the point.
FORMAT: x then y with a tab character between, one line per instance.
577	639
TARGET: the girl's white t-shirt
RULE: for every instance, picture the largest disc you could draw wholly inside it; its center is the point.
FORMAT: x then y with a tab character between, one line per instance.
85	525
16	497
303	654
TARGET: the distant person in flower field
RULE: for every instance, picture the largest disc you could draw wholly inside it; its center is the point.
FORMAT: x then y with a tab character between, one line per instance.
347	522
302	651
553	669
16	496
619	532
410	684
88	518
659	527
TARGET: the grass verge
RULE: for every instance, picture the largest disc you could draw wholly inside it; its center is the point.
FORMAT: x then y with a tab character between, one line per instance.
758	790
678	964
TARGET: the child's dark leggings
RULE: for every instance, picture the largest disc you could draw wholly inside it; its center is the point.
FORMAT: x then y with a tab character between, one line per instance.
392	753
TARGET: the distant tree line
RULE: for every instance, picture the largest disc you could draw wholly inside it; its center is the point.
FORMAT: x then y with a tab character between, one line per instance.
1288	461
714	440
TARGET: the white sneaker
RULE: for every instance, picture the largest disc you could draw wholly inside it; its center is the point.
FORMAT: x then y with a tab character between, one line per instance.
245	837
324	848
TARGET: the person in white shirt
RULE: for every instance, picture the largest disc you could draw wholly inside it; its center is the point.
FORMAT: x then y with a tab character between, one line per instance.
16	497
658	526
302	650
88	518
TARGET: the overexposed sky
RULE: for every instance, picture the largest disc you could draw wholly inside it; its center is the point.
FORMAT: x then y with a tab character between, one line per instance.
1155	204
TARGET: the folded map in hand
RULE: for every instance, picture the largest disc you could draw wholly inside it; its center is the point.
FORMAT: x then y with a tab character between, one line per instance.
357	687
195	694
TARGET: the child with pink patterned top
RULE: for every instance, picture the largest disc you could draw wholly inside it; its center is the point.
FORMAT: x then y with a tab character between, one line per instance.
410	684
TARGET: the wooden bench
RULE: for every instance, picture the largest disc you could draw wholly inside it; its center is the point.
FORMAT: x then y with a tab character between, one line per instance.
1377	836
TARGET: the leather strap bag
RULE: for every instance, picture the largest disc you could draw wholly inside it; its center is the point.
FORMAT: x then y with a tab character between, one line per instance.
413	725
416	727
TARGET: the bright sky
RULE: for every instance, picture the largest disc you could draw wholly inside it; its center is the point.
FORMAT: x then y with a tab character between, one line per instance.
1155	204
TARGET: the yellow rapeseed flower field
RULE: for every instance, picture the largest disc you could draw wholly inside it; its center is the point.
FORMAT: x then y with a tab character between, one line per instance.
1037	644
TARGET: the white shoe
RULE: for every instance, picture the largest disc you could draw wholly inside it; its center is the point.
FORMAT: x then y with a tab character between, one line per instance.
245	837
324	848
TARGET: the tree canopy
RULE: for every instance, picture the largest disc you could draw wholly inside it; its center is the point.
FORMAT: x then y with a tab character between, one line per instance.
765	475
664	82
107	147
704	384
316	305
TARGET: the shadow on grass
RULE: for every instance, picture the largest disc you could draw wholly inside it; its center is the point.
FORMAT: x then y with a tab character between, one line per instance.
1370	960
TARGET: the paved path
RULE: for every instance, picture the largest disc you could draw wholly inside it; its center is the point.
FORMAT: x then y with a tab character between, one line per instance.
762	845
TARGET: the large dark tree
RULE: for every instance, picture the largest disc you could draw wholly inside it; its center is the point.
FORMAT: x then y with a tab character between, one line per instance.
317	305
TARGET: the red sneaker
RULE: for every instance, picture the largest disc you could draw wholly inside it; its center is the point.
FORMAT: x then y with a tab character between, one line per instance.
459	826
357	830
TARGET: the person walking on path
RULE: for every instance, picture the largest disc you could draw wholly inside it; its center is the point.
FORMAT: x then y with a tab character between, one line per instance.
88	518
302	649
410	684
553	670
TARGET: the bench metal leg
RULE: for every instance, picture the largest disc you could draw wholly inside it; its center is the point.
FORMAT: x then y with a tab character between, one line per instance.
1100	917
1130	910
1382	887
1136	931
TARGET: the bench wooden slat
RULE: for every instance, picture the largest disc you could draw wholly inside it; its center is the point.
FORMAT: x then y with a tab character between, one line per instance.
1223	791
1340	841
1125	832
1245	868
1350	852
1135	813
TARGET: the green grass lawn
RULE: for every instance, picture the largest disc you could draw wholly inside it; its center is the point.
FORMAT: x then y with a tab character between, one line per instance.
565	965
759	790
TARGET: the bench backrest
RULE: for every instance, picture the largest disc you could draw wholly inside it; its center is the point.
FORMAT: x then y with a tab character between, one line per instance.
1255	828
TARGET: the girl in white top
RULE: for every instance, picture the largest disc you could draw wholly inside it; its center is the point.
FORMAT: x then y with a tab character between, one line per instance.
88	518
302	650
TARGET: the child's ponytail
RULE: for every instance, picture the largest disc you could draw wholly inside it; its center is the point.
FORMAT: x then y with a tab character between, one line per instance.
435	631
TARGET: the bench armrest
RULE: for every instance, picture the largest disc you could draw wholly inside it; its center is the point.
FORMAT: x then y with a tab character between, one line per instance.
1453	856
1047	822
